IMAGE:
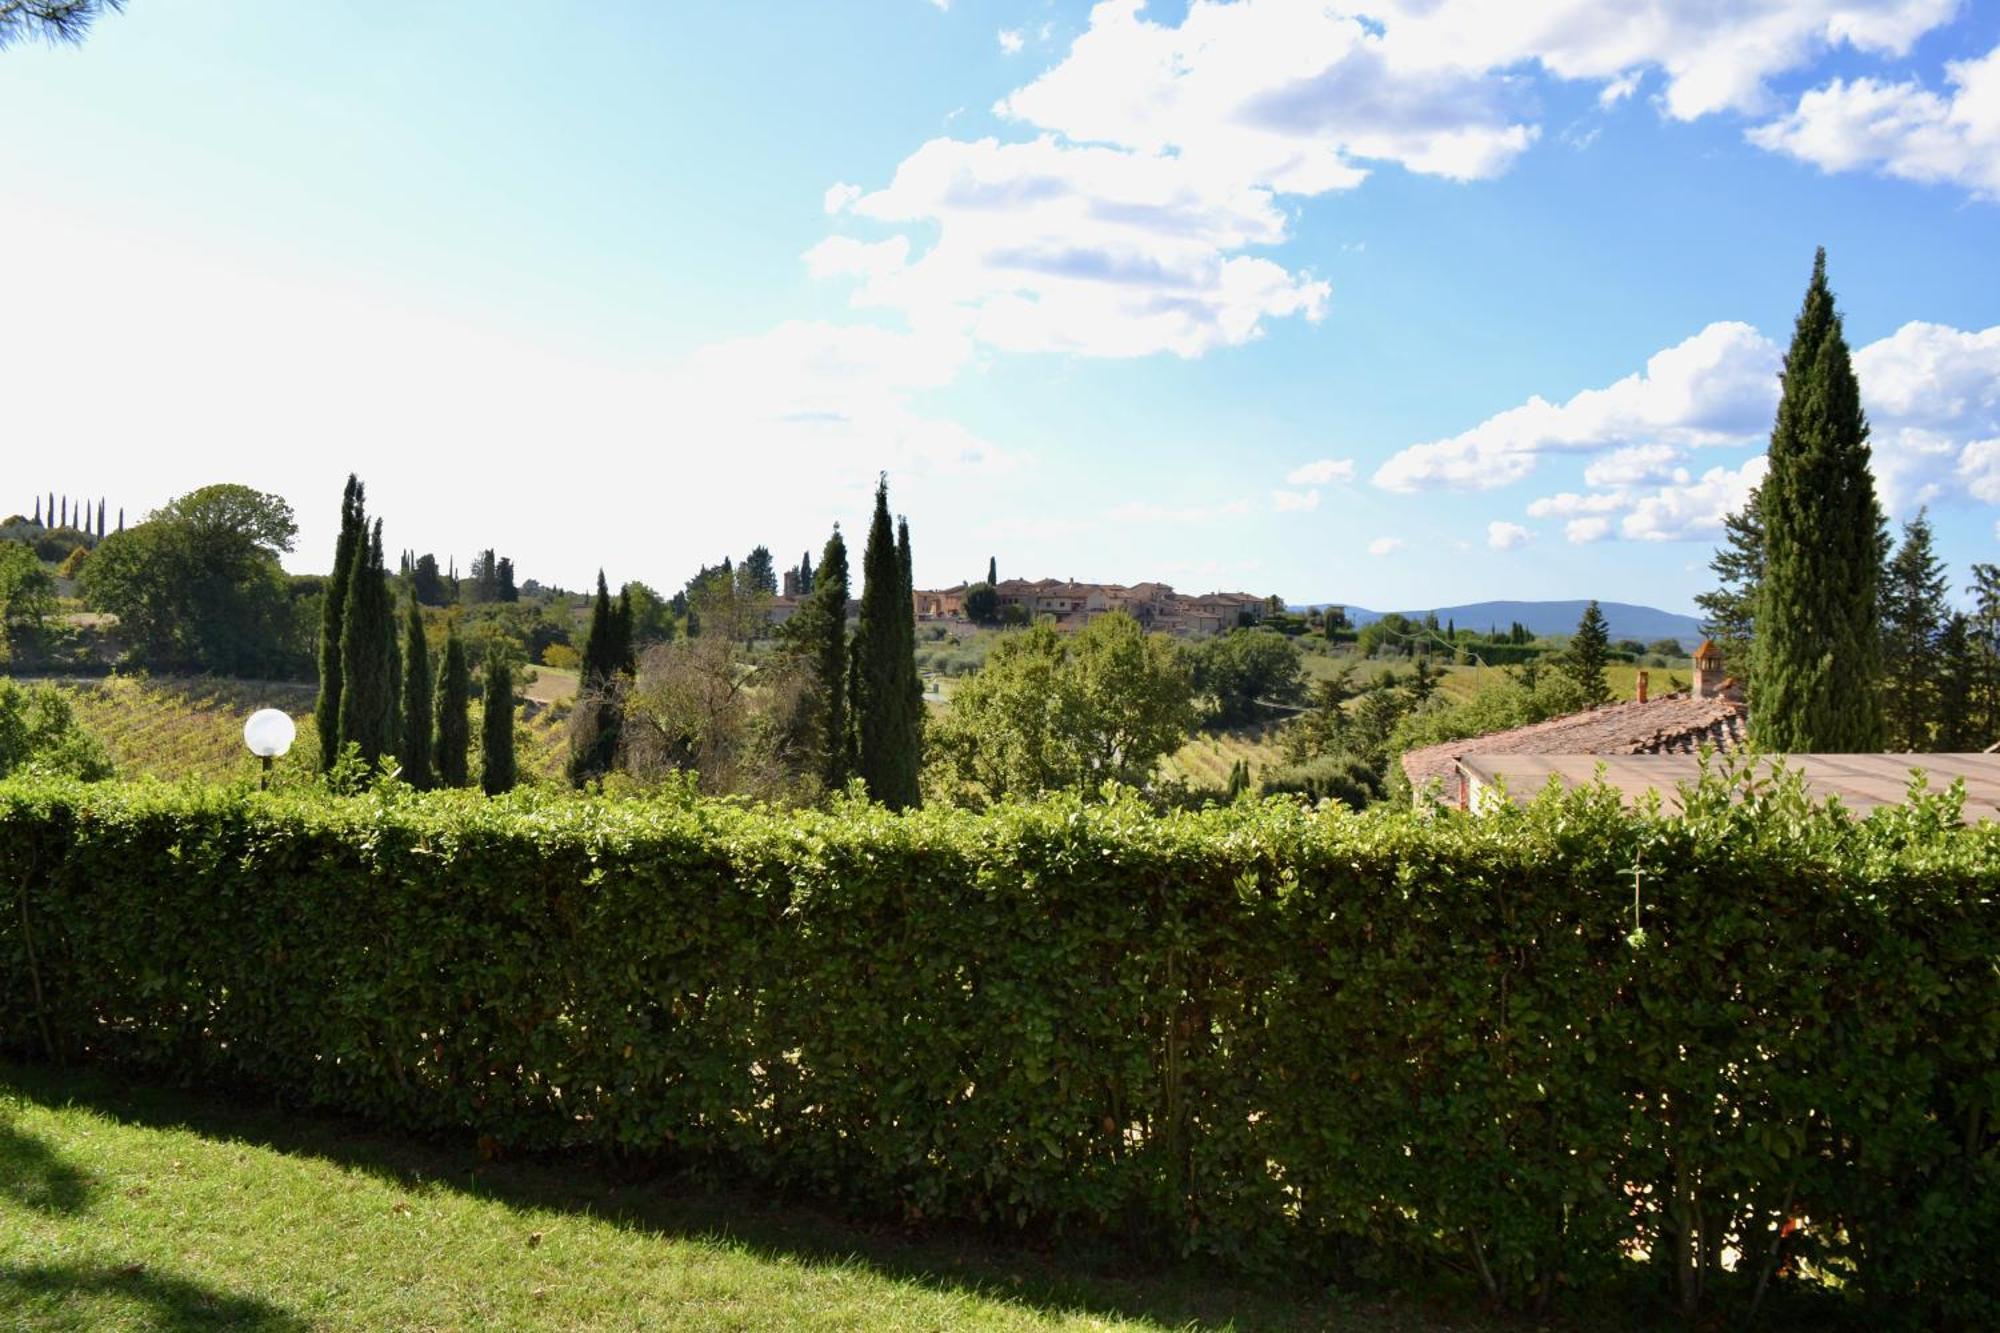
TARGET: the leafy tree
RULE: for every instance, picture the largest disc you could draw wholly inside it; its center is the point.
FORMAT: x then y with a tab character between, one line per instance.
1667	648
1587	656
1816	662
367	656
652	616
39	733
427	583
53	20
414	754
497	771
757	573
326	712
454	703
982	604
503	579
1914	612
198	585
1054	712
886	724
27	593
1241	671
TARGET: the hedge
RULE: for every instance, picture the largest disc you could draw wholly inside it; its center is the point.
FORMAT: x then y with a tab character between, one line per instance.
1349	1045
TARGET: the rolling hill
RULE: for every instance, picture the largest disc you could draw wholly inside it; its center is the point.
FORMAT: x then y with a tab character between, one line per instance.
1644	623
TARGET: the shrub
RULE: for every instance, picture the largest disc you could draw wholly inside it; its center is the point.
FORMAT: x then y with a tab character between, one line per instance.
1331	1042
1335	777
39	733
561	656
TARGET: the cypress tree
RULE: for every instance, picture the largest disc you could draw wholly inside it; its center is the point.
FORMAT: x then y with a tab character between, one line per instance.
38	511
1914	613
1816	662
100	518
454	702
497	773
885	723
333	606
914	680
627	659
415	751
595	724
1588	653
992	572
367	655
821	632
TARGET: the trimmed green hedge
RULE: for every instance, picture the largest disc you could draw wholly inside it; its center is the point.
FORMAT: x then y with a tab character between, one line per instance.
1349	1044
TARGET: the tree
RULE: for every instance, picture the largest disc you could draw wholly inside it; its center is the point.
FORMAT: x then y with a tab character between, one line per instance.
1985	631
1914	612
1241	671
454	703
652	616
503	579
27	593
497	772
817	635
52	20
39	733
886	724
1052	712
1587	656
333	605
992	571
1816	663
757	573
427	583
1729	612
982	604
415	751
594	721
198	585
1958	685
367	656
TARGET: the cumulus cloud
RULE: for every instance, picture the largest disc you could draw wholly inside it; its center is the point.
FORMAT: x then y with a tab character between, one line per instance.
1901	129
1506	536
1716	387
1321	472
1385	546
1691	509
839	195
1583	530
1933	398
1011	41
1634	464
1287	502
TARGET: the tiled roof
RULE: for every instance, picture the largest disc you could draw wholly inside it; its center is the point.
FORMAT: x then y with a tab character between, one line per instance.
1672	724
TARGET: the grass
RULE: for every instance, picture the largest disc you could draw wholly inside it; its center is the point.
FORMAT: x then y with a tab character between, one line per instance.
124	1205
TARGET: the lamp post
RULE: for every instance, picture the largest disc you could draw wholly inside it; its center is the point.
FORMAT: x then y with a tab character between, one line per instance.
268	733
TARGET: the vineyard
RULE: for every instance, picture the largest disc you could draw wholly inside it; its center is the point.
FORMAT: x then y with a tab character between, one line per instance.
186	728
1206	759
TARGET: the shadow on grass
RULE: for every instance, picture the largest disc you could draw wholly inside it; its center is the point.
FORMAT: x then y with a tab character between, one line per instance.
1083	1277
174	1305
33	1174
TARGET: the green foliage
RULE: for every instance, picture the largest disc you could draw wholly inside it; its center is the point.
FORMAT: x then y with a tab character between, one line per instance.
39	734
1052	712
816	638
982	604
1346	778
1583	662
1348	1045
333	605
454	711
27	594
197	585
498	772
369	666
414	753
1499	704
887	694
1914	612
596	722
1816	664
1729	611
1239	672
758	573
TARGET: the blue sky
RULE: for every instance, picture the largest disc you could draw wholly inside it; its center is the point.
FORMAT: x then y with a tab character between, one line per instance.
1399	302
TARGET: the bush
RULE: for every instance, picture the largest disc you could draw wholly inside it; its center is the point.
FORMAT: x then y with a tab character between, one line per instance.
561	656
1336	777
39	733
1338	1044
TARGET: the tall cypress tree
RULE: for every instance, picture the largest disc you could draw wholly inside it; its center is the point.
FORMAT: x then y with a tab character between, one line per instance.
1588	653
820	629
1914	612
415	751
913	682
367	651
1816	663
326	712
497	773
627	660
594	725
454	703
992	571
885	723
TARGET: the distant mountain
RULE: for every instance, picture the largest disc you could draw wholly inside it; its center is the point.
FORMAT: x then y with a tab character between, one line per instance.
1644	623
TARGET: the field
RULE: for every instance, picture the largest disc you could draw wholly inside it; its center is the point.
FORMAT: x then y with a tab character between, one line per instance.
127	1206
188	727
1206	759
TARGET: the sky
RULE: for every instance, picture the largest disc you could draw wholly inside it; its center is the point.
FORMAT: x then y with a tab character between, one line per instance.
1398	303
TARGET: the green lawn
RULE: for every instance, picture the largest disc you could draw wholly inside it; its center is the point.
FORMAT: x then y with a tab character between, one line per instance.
127	1206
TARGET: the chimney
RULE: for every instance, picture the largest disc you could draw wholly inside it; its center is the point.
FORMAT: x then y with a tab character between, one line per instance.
1643	681
1707	670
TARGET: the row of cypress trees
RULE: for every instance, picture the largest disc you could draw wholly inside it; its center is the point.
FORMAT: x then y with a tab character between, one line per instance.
865	705
376	701
610	662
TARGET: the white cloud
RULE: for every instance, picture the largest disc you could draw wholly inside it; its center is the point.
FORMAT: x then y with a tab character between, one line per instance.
1385	546
1011	41
1582	530
1092	250
1691	509
1506	536
1633	464
1716	387
1933	396
839	195
1321	472
1569	504
1901	129
1294	501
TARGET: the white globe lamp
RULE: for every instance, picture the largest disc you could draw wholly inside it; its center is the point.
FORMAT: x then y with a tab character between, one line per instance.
268	733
